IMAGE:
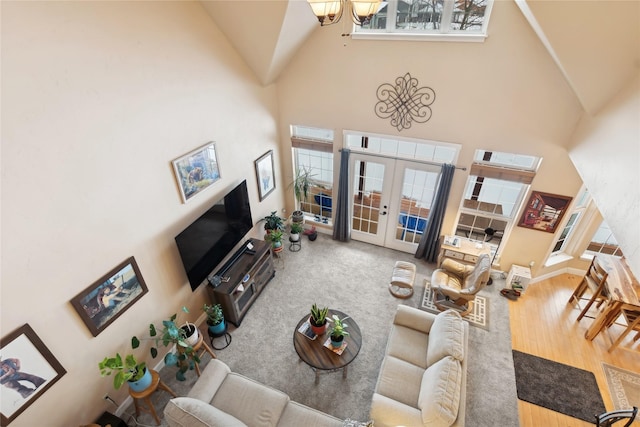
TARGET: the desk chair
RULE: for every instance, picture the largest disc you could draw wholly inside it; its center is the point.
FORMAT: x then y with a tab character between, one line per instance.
609	419
594	281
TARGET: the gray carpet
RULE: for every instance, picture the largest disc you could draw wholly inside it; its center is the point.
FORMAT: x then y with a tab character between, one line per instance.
352	277
556	386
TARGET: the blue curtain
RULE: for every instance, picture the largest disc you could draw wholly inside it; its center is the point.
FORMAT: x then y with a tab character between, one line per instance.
341	213
428	246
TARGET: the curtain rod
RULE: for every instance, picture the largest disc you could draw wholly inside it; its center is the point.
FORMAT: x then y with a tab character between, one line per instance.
426	162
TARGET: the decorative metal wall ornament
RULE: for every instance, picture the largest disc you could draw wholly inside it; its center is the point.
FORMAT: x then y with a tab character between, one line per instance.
404	102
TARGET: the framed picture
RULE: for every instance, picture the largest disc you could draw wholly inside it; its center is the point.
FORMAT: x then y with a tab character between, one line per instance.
28	369
265	174
544	211
196	171
110	296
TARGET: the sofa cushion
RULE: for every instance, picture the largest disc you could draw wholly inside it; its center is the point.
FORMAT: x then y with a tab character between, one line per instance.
297	414
409	345
446	337
189	412
439	397
249	401
400	381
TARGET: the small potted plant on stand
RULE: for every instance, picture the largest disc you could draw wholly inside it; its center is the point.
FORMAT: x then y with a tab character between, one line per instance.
311	233
338	331
296	229
127	370
215	318
318	319
275	237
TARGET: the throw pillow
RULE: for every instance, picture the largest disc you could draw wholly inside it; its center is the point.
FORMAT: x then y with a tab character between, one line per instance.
353	423
446	337
439	397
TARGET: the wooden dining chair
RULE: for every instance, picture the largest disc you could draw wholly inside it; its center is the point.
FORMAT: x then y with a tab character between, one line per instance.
632	320
594	282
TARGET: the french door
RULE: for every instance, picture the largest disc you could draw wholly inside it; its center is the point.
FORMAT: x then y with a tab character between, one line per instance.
390	200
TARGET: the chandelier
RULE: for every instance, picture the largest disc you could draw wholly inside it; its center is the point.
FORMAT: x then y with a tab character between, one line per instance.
330	11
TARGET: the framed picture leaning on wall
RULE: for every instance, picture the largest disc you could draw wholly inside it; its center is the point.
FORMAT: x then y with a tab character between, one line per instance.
27	370
110	296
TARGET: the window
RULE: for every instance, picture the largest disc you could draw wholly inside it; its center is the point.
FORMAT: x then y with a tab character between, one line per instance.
449	18
494	192
313	151
560	246
603	242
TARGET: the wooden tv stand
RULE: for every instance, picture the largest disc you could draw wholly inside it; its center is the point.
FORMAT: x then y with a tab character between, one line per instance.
236	295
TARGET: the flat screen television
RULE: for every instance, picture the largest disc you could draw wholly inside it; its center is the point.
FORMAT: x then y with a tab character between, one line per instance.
210	238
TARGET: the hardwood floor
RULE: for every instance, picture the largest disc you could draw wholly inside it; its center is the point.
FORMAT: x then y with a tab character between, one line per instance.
543	324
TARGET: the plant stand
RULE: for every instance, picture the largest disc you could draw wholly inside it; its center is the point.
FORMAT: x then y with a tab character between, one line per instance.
224	334
295	245
145	395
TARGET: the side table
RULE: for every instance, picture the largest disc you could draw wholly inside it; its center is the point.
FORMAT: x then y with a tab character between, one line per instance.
145	395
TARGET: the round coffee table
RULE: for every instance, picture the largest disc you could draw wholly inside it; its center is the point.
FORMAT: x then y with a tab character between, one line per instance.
321	358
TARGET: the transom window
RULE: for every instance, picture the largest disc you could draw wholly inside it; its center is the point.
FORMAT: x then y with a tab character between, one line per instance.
430	17
603	242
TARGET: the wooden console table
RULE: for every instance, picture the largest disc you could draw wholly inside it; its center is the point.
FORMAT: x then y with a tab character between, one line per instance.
466	251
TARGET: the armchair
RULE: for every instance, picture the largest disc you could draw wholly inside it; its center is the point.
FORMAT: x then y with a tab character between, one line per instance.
455	285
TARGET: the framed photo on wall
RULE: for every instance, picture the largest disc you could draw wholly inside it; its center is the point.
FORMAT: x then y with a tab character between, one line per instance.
196	171
265	174
110	296
28	369
544	211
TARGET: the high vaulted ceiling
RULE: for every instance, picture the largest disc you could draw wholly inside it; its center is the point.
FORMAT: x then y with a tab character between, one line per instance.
596	44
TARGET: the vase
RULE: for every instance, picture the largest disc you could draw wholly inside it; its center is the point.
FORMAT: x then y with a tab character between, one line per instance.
337	341
318	330
192	333
143	383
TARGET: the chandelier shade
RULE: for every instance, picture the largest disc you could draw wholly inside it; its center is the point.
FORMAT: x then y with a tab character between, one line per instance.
330	11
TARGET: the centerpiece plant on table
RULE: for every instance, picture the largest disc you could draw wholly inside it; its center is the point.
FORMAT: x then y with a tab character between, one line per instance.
318	319
338	331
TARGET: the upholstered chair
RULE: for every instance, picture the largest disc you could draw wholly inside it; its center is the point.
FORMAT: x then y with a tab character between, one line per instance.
455	285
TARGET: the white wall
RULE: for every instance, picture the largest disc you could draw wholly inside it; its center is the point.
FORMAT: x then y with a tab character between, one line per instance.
505	94
606	150
97	99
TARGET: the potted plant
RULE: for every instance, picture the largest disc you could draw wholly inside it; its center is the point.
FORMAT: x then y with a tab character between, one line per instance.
275	237
127	370
273	222
296	229
301	185
215	318
338	331
311	233
171	334
318	319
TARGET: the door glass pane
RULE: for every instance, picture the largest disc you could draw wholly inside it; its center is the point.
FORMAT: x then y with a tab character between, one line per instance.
367	188
418	190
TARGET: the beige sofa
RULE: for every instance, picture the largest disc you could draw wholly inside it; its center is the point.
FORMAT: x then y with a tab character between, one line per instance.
422	381
227	399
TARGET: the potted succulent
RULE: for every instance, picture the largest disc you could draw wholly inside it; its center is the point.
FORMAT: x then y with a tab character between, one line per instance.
338	331
215	318
181	336
301	185
296	229
318	319
127	370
